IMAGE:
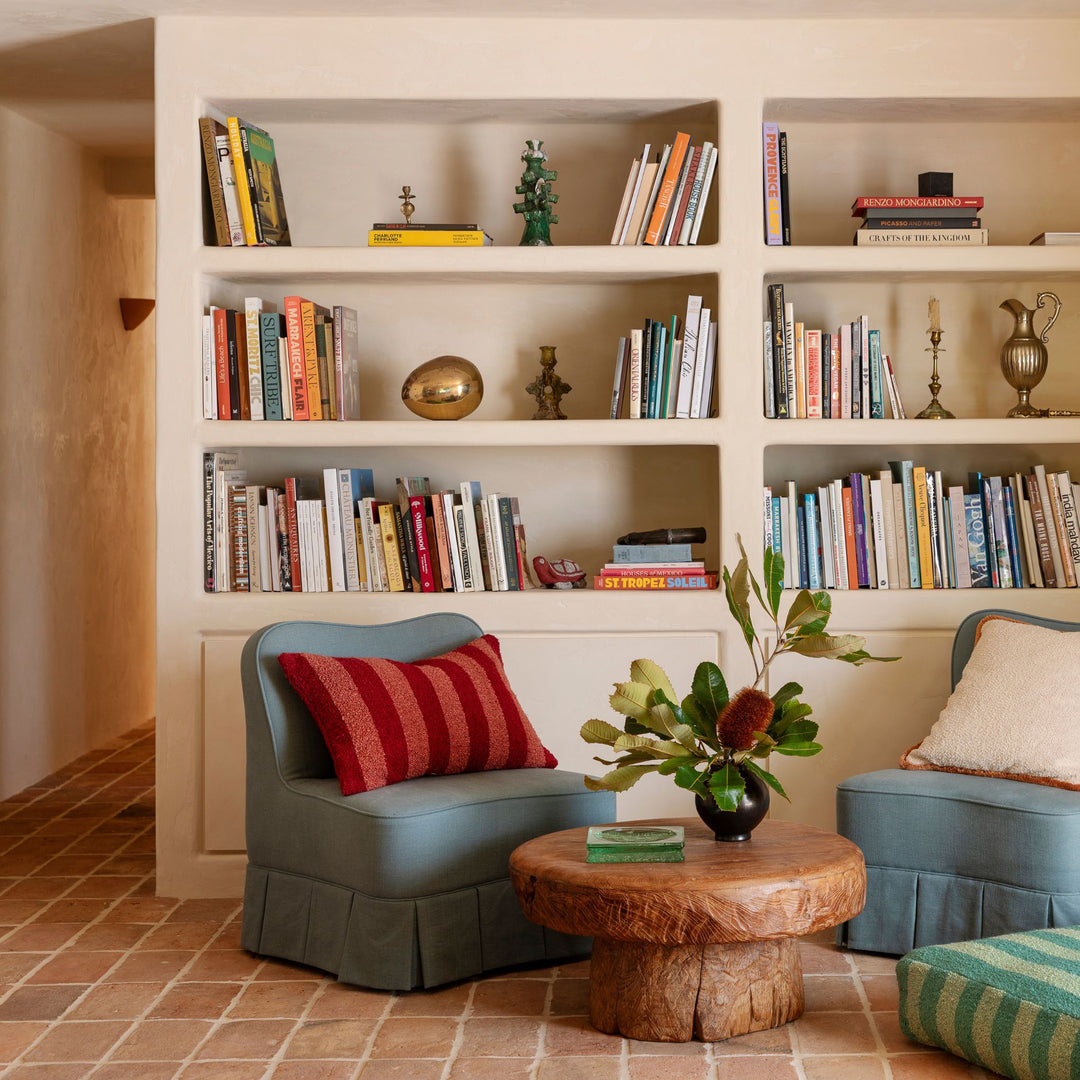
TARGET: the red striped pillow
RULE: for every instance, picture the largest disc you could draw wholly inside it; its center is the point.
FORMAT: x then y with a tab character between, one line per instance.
385	721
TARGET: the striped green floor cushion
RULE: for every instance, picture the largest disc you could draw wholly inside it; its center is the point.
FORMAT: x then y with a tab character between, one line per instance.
1008	1003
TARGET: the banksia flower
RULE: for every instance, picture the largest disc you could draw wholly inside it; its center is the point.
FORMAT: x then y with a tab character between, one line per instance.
748	711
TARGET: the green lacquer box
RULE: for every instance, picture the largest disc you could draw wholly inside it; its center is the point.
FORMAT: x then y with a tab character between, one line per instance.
634	843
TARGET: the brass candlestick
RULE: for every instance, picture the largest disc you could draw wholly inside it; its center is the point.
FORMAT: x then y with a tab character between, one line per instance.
407	208
935	410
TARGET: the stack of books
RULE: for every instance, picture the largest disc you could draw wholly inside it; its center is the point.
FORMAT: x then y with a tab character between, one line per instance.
634	843
388	234
664	201
816	375
331	534
905	527
654	566
302	364
244	198
665	370
930	220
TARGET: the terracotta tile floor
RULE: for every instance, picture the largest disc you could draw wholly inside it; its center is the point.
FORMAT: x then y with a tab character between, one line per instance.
99	977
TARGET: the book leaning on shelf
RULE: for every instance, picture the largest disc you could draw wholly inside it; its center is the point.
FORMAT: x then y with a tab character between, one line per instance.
905	526
300	364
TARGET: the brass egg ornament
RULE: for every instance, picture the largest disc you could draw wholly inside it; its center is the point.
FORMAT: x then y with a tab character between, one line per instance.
443	388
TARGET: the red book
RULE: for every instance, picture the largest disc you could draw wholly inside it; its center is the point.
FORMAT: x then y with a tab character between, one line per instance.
667	187
297	366
242	365
684	199
221	361
921	202
849	540
294	534
418	519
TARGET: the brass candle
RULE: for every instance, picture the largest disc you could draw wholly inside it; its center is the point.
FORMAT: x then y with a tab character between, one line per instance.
935	410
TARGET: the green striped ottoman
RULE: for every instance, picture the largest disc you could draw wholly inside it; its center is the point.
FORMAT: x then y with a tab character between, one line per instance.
1008	1003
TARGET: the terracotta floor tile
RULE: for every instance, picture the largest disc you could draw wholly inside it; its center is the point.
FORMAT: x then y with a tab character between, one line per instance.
328	1070
193	935
570	997
491	1068
668	1068
499	1037
216	911
400	1069
110	935
338	1001
75	1040
756	1068
112	887
834	1033
75	966
142	1070
853	1067
13	912
834	993
27	863
150	966
222	965
881	991
39	888
409	1037
937	1066
874	964
510	997
818	959
67	910
71	865
769	1041
577	969
229	937
281	971
40	937
449	1001
39	1002
575	1035
116	1001
248	1039
894	1040
579	1068
195	1001
162	1040
224	1070
145	909
14	966
124	863
316	1039
67	1070
16	1036
272	999
638	1048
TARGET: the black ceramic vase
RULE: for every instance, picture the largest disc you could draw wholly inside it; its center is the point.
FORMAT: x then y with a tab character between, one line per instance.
736	824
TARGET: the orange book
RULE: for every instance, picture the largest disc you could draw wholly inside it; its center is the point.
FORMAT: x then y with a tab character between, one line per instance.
667	186
221	361
297	367
308	312
849	540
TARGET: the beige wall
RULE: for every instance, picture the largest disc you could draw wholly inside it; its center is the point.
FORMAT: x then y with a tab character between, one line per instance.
76	447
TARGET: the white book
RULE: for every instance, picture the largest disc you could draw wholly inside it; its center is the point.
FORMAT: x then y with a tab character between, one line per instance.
837	506
695	203
658	180
319	537
489	545
887	510
498	564
691	325
923	237
228	186
864	358
790	363
767	369
332	499
845	370
828	548
939	499
902	565
457	572
253	307
890	389
700	363
636	340
470	494
877	518
376	556
256	563
308	582
636	194
468	571
624	205
209	371
791	540
227	474
767	516
1070	519
346	502
283	378
897	401
1051	531
703	198
264	563
961	559
785	541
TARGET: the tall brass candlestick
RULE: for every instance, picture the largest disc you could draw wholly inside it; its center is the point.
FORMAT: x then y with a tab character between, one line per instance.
935	410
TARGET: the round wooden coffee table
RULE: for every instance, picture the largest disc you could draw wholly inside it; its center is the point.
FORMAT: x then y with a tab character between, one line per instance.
703	948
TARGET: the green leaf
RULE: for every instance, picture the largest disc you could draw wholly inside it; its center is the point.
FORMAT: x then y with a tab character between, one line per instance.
656	748
802	750
798	731
687	776
768	777
710	691
826	646
786	693
692	716
600	731
618	779
804	609
631	757
860	656
727	787
753	580
650	674
632	699
679	730
774	579
737	591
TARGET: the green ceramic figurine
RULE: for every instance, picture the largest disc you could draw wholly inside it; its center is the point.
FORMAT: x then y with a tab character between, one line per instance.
537	205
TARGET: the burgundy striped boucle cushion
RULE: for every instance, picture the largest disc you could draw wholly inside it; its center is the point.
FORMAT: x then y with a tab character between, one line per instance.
385	721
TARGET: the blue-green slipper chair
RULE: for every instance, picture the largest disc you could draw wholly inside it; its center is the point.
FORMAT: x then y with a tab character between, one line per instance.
400	887
952	857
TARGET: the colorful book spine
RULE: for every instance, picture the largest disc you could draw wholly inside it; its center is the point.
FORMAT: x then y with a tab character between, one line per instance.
241	158
978	549
780	383
269	347
672	172
813	541
677	581
922	527
774	226
858	512
877	397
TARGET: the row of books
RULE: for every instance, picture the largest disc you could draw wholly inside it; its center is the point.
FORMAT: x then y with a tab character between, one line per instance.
665	369
904	528
928	220
816	375
299	364
244	198
775	177
333	535
645	567
664	200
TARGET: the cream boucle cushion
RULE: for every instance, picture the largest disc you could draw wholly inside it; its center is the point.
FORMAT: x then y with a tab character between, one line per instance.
1015	712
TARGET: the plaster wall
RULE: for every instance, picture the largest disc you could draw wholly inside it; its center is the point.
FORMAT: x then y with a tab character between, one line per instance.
76	447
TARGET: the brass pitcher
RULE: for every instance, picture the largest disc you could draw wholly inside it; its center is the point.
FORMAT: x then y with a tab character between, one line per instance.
1023	356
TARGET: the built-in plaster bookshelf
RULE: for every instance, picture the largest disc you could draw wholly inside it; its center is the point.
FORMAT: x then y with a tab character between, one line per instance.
446	110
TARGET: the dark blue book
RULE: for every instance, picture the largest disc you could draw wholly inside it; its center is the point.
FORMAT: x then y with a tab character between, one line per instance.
1014	536
656	369
988	525
804	562
978	552
506	525
858	514
646	367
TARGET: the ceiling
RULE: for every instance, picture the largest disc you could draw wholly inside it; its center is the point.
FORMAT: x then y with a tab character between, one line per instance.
84	68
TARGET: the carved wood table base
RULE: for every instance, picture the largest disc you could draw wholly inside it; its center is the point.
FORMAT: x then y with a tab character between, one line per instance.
703	949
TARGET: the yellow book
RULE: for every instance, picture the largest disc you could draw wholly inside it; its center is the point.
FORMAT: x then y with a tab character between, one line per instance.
922	526
243	190
388	531
428	238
